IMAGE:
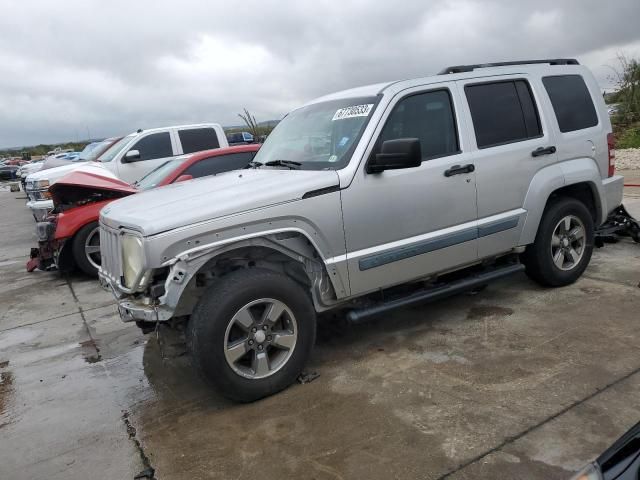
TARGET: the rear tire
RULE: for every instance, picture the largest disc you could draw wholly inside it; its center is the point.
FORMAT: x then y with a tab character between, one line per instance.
235	345
83	247
563	245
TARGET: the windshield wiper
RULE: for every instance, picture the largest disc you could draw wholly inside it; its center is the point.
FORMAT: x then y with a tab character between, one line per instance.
253	164
284	163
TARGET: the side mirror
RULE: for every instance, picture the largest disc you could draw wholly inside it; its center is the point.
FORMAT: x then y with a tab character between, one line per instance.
131	156
184	178
396	154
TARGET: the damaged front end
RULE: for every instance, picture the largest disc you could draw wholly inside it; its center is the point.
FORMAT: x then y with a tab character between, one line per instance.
77	200
44	256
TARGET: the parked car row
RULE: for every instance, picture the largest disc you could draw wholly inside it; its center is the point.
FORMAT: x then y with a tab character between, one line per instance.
362	201
69	237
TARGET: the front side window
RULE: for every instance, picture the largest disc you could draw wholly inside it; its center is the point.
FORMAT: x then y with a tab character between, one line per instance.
571	102
198	139
219	164
155	145
428	117
503	112
320	136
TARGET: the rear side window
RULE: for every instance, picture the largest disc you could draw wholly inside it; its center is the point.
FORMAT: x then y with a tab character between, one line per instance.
503	112
156	145
571	102
219	164
198	139
428	117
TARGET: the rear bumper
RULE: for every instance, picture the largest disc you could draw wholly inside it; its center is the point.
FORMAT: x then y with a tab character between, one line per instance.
612	188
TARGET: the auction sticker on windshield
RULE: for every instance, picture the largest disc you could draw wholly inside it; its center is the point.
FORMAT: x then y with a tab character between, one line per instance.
353	111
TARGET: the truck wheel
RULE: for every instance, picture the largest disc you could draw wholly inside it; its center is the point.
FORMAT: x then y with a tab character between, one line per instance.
86	249
251	333
563	244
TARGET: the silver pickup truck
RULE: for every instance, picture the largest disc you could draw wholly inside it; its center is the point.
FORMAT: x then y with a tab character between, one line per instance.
367	200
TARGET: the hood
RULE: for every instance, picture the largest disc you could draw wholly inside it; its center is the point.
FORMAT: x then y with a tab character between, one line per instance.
31	167
87	186
54	162
185	203
56	173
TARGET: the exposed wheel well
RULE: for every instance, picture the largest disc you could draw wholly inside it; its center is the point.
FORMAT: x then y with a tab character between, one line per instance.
306	268
582	192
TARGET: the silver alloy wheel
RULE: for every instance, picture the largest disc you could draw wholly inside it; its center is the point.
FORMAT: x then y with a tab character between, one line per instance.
260	338
92	247
568	242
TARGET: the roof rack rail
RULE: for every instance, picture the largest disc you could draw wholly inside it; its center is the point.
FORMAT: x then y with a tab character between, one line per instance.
470	68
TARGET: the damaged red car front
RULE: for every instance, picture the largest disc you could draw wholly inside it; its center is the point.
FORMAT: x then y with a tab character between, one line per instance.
70	235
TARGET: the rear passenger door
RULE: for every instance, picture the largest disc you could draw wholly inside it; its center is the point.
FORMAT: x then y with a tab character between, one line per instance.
154	149
219	164
511	142
198	139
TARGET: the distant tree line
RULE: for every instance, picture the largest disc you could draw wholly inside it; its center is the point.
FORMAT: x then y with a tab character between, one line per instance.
626	118
42	149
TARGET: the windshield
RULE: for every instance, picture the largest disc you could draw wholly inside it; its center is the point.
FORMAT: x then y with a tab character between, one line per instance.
90	154
115	148
320	136
155	176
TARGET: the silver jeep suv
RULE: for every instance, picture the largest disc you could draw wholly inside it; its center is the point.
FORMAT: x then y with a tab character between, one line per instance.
367	200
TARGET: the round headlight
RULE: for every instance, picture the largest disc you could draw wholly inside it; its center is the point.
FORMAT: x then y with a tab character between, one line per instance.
132	259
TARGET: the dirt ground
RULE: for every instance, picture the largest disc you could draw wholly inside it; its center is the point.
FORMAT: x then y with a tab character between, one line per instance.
514	382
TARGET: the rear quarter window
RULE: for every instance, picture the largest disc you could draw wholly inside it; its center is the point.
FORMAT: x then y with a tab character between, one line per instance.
198	139
572	102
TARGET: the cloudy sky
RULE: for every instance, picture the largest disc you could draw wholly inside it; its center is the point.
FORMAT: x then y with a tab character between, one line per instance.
110	67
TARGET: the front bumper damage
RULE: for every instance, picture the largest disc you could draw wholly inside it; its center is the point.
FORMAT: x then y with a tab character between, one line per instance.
133	309
46	255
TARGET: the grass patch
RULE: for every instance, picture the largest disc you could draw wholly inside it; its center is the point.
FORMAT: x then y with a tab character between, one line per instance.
629	137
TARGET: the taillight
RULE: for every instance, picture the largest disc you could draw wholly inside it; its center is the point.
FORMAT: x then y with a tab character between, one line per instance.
611	144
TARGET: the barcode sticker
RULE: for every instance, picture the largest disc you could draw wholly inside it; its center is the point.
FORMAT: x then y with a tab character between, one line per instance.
353	111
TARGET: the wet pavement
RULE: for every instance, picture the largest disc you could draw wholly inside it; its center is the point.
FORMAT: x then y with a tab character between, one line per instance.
513	382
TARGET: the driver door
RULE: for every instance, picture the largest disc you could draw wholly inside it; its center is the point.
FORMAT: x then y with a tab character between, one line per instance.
405	224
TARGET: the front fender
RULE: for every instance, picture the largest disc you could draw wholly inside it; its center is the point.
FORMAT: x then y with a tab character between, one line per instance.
72	220
550	179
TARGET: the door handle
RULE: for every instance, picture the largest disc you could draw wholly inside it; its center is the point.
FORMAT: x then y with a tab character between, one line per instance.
538	152
459	169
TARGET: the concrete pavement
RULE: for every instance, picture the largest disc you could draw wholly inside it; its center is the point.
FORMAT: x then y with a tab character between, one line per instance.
514	382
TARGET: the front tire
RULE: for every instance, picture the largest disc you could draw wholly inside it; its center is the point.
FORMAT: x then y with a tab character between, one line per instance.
563	246
86	249
251	333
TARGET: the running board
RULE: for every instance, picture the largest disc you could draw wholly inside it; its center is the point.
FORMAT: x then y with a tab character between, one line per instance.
434	293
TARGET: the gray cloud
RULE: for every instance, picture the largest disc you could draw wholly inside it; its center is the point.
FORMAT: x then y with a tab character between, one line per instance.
115	66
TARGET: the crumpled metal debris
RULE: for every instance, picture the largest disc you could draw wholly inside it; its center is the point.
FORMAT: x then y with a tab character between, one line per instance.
307	377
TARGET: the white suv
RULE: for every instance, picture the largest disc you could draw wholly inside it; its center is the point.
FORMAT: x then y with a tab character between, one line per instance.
130	158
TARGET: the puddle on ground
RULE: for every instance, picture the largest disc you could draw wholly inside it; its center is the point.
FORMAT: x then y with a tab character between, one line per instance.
591	290
485	311
94	355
